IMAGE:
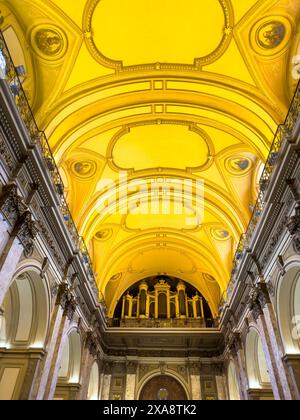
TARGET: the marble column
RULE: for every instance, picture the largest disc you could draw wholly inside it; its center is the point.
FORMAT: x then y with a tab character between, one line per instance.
293	363
240	363
49	367
4	235
106	380
21	239
194	369
282	383
131	368
87	361
221	382
101	384
35	357
106	383
58	351
9	260
130	387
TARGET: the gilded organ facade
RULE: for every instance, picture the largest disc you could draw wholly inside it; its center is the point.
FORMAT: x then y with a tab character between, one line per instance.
163	306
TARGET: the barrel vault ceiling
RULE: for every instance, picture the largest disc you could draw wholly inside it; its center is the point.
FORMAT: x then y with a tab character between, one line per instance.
159	91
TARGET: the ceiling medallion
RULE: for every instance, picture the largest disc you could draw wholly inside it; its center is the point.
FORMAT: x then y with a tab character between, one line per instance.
49	42
271	35
238	165
89	27
84	169
104	235
220	234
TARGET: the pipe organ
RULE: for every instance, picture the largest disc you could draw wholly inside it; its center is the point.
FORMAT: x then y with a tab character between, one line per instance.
161	304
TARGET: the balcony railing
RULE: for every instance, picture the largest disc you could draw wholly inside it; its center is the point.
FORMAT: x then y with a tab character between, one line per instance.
9	73
284	131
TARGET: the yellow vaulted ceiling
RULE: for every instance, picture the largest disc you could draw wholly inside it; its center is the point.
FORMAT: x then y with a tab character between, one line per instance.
147	95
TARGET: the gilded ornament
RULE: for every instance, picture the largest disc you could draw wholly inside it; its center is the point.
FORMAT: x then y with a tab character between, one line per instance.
49	42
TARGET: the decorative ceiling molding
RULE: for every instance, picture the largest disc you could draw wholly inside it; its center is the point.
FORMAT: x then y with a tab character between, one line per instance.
118	66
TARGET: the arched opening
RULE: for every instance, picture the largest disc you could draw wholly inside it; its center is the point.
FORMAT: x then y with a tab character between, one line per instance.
69	373
234	394
257	369
93	391
162	306
288	310
163	388
24	320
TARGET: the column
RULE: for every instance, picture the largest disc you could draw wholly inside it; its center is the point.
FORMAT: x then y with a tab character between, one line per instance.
168	304
88	357
293	363
194	369
68	314
101	381
21	239
106	381
131	368
221	382
49	368
35	358
177	306
237	349
4	235
270	334
202	308
123	307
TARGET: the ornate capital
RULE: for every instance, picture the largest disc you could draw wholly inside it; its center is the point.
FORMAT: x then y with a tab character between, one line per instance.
107	368
91	343
280	264
70	309
235	343
131	367
194	368
262	294
162	367
11	204
256	310
294	229
62	294
26	231
219	369
66	301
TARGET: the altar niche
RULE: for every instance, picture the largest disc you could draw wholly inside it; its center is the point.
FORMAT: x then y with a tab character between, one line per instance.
164	303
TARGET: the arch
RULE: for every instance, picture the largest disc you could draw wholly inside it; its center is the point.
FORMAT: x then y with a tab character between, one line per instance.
93	390
26	310
257	370
288	307
171	388
234	393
